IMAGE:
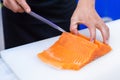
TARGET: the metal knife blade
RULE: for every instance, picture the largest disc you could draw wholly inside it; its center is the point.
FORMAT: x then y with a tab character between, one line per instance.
46	21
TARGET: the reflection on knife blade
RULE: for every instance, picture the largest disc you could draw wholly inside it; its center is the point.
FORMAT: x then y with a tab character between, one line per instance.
46	21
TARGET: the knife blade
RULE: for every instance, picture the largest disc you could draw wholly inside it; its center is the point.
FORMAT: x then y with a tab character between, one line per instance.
35	15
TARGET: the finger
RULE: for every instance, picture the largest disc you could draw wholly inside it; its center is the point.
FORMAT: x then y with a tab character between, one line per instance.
73	27
105	34
24	5
92	31
12	5
104	31
20	10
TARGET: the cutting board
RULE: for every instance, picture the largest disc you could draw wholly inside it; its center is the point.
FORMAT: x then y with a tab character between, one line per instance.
24	62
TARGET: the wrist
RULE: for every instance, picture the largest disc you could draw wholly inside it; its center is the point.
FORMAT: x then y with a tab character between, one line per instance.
89	3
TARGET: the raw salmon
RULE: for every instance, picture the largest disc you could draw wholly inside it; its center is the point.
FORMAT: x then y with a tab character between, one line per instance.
73	52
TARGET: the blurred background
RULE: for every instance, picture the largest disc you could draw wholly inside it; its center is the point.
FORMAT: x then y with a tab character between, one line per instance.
1	31
108	9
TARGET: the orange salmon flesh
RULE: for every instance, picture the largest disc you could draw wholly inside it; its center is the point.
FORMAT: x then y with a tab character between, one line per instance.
72	52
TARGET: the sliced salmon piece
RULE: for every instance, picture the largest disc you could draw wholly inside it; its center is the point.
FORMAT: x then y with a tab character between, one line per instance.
73	52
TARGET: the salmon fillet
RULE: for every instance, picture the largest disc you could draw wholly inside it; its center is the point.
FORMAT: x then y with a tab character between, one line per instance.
73	52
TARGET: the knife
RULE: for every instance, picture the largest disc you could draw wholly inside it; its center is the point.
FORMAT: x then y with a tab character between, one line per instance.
46	21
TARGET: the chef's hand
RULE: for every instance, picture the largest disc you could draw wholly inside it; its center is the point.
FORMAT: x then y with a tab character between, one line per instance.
17	5
86	14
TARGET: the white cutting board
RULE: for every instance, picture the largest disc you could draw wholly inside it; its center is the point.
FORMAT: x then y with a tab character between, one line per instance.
24	62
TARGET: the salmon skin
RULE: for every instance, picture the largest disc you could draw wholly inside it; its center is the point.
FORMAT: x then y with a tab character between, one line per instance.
72	52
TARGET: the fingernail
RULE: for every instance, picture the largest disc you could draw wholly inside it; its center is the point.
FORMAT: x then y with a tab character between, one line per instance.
27	10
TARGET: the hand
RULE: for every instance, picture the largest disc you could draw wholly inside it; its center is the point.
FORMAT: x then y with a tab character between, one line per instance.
17	5
86	14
